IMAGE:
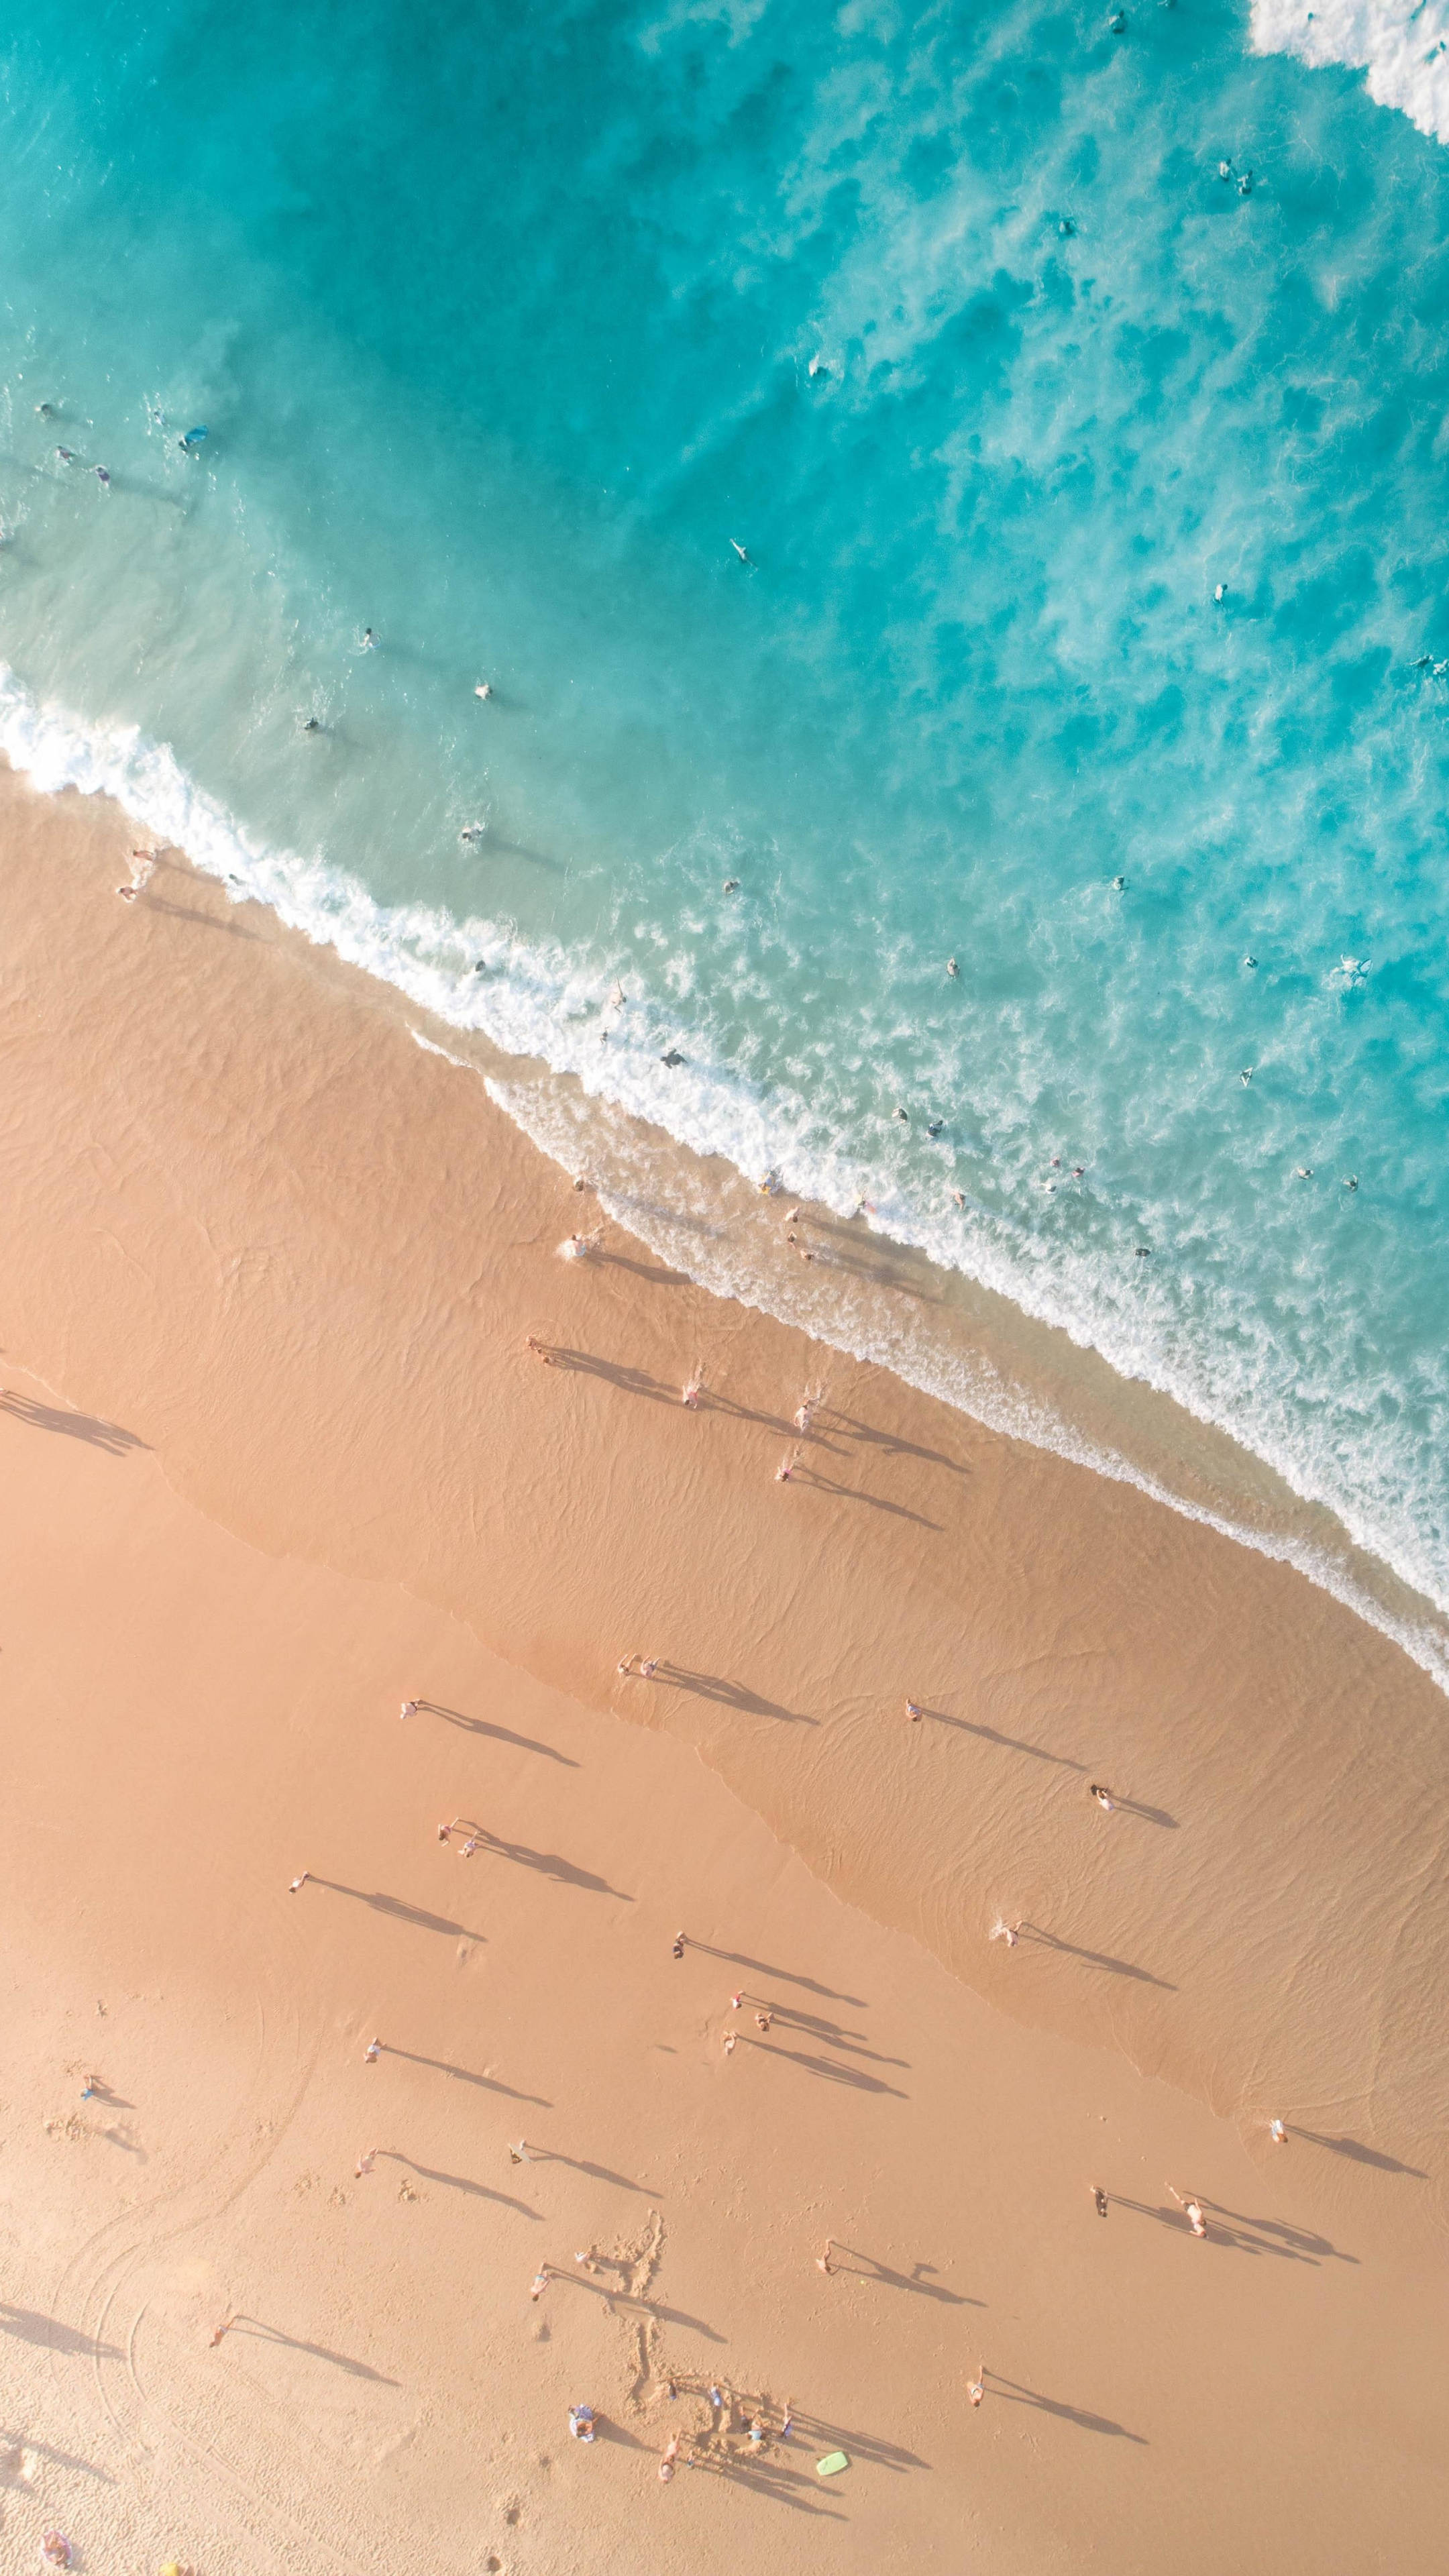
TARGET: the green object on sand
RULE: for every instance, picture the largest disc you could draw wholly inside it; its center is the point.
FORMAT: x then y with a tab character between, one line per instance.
832	2464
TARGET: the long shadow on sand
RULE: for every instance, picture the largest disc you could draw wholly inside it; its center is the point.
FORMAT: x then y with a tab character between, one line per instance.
1360	2154
1008	1743
730	1694
458	2182
1239	2234
815	2026
1012	2393
566	1873
75	1426
1146	1815
868	2267
808	1475
465	2075
1094	1958
629	2306
580	2164
319	2351
28	2325
830	2070
629	1381
791	1976
12	2472
398	1909
499	1734
852	1428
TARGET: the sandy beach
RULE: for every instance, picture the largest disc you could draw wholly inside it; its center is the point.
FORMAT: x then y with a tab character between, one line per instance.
281	1457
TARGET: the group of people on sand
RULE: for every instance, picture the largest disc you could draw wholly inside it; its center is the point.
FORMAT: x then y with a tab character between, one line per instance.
582	2417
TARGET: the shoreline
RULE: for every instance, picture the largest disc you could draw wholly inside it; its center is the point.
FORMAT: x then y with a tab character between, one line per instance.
949	1333
292	1251
281	1456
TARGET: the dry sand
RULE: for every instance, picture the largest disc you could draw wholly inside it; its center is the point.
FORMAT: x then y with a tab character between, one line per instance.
278	1456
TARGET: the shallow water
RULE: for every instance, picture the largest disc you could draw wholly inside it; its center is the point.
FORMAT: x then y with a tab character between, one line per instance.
501	334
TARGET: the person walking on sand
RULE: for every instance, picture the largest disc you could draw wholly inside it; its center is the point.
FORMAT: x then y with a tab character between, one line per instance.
1193	2209
1099	2198
625	1666
539	2284
299	1882
365	2164
730	2037
666	2465
1104	1797
1277	2133
914	1711
1006	1932
581	2423
763	2020
408	1709
372	2052
221	2330
822	2261
648	1668
693	1387
143	868
679	1945
787	1467
519	2155
976	2388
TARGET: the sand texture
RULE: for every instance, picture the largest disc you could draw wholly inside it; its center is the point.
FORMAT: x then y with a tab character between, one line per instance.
279	1456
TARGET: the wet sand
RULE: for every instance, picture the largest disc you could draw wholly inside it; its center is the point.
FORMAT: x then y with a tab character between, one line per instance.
291	1260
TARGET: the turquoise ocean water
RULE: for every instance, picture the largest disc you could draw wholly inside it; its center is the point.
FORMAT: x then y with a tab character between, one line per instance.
503	324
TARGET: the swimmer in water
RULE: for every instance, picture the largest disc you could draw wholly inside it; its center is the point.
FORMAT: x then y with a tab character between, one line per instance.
484	689
951	966
369	641
739	550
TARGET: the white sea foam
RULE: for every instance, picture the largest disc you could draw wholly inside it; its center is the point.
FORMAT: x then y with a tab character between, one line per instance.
532	1000
1402	44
